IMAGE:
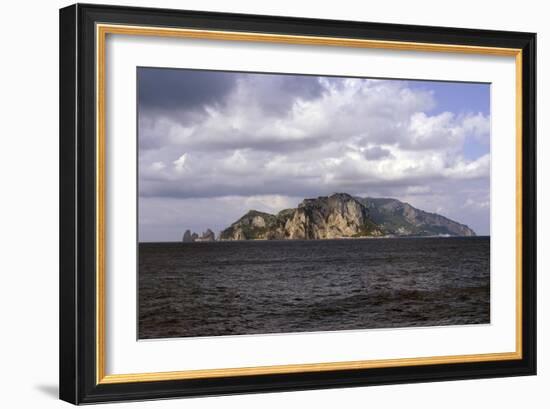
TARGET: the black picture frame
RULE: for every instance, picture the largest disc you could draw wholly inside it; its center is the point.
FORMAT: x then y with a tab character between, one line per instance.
78	150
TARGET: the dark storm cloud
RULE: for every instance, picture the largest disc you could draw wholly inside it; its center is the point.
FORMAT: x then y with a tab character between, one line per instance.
376	152
179	89
176	89
277	93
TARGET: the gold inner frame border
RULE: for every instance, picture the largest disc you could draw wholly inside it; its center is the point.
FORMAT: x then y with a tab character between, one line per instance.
102	30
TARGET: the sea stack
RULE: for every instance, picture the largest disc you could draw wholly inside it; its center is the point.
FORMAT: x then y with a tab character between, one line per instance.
191	237
187	237
208	235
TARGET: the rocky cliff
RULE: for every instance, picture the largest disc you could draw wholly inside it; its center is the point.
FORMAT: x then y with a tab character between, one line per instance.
343	216
400	218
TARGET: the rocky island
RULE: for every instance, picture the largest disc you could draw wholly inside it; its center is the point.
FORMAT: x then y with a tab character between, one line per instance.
343	216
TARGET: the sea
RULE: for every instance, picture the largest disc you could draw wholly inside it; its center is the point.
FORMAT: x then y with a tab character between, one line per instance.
263	287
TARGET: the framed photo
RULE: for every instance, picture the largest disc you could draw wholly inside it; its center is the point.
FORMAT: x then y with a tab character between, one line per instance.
257	203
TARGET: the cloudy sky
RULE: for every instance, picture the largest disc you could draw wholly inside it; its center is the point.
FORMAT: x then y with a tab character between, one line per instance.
213	145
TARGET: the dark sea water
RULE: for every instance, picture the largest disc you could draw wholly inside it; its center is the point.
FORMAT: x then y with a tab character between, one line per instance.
260	287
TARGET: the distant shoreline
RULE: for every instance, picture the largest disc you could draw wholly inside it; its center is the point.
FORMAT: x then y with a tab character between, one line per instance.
314	240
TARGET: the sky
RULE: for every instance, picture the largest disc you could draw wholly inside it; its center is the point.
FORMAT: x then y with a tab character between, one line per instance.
214	144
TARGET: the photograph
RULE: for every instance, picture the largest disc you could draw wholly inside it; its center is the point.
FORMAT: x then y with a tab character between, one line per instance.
274	203
260	202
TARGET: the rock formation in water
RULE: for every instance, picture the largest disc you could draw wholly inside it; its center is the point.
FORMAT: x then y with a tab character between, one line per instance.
343	216
208	235
189	237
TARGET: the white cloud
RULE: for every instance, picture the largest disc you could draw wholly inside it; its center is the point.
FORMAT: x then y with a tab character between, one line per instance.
468	170
477	126
179	164
156	166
